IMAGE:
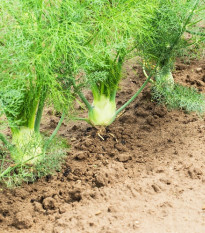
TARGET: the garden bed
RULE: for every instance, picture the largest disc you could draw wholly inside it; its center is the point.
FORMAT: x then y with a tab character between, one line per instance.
145	173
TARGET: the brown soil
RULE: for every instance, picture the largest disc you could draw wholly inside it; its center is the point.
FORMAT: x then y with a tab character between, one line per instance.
144	174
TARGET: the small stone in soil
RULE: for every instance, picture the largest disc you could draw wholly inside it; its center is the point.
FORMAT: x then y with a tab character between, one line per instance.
23	220
136	225
124	157
199	83
38	207
156	188
112	209
1	218
80	156
120	147
74	127
198	70
48	178
49	203
98	213
62	209
101	180
111	154
67	171
75	195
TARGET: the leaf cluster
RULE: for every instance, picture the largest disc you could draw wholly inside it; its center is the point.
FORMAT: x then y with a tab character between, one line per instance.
39	47
180	97
163	35
15	174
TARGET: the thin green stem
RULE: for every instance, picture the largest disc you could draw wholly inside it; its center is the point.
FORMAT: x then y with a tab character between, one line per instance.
11	168
133	97
183	29
95	91
2	161
5	141
92	38
85	101
110	1
116	57
80	94
130	50
32	115
54	132
113	95
196	33
81	119
146	75
190	16
102	88
5	172
40	112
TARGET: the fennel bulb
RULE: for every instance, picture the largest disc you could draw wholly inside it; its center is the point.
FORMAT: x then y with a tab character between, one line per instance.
28	146
165	78
103	111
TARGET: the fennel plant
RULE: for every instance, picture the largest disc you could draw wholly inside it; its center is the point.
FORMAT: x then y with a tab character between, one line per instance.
106	50
39	43
164	37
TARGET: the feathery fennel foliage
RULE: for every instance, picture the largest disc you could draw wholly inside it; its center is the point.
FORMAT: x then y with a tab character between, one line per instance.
39	45
164	38
180	97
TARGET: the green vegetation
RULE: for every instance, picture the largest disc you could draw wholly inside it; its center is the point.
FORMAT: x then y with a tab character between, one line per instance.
180	97
163	36
37	50
16	173
39	46
165	39
52	50
114	24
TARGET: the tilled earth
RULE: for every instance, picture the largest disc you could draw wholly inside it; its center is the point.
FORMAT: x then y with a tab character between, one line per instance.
144	174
